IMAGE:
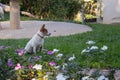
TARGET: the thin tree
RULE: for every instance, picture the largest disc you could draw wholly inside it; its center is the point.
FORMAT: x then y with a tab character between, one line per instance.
14	14
0	26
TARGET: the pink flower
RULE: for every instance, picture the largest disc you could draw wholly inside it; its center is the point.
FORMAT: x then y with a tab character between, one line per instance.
52	63
18	66
20	52
30	66
50	52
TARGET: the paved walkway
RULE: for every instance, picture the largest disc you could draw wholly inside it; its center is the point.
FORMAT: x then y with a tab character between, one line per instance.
29	28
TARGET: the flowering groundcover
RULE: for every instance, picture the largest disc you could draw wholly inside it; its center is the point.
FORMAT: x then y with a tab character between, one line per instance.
51	63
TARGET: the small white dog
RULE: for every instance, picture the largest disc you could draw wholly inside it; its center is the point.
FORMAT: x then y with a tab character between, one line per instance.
36	43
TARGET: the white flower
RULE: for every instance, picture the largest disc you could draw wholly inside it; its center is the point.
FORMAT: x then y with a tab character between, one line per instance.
93	48
102	77
90	42
59	55
60	76
71	58
57	67
55	50
104	48
37	66
85	50
85	78
46	76
91	79
34	79
64	65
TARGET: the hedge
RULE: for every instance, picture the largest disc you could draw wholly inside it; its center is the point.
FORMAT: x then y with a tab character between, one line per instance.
53	9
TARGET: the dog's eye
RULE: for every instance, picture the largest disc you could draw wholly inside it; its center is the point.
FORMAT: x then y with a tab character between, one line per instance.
45	31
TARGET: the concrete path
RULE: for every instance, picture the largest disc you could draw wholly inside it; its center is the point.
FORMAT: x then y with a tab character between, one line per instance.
29	28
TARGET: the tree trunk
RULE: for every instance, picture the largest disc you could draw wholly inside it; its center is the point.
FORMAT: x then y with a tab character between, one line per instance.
14	14
83	14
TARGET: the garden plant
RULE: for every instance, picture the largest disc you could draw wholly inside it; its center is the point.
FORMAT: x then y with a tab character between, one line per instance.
66	55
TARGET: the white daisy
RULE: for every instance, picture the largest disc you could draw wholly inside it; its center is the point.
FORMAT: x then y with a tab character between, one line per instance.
64	65
71	58
59	55
104	48
57	67
85	78
93	48
60	76
90	42
85	51
55	50
102	77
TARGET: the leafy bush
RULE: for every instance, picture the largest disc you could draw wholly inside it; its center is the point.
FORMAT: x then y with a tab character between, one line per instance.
65	9
55	9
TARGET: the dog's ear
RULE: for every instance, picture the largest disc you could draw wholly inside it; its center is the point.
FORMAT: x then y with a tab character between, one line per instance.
42	28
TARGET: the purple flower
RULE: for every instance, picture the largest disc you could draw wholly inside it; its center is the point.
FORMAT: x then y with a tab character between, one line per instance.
7	47
50	52
10	63
52	63
1	47
37	57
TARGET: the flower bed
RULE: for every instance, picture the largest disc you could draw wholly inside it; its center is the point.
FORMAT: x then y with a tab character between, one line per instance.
53	64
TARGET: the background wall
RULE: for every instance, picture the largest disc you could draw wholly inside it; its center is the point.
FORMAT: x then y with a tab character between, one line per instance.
111	12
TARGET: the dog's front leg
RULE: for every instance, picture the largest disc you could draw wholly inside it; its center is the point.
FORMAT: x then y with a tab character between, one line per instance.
34	50
40	48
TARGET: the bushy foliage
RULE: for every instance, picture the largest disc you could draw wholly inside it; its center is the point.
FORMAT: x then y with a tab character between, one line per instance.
52	9
55	9
90	7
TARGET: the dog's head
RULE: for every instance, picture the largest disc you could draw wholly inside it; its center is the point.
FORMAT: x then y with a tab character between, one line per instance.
44	31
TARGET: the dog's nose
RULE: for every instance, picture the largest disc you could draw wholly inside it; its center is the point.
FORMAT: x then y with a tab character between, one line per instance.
49	33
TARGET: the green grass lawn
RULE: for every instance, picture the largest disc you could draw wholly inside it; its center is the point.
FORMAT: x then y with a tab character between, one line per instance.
102	34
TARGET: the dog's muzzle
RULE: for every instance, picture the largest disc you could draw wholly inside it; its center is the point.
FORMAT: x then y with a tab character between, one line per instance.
48	34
